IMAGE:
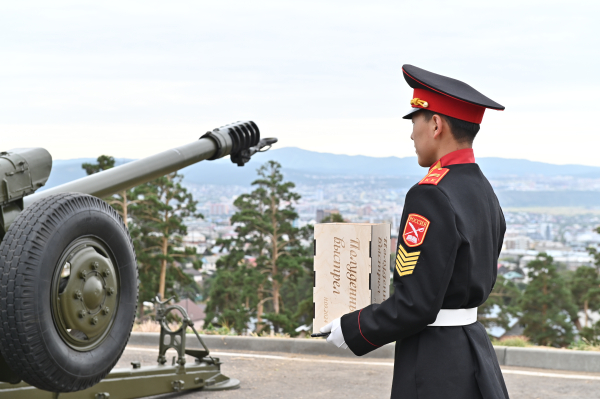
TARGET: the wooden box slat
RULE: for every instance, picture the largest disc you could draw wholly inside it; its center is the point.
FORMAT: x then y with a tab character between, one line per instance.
351	267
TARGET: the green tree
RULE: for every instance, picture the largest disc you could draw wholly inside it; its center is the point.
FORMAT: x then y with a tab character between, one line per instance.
593	298
233	290
547	305
158	230
585	287
119	201
333	218
103	162
504	299
268	254
595	254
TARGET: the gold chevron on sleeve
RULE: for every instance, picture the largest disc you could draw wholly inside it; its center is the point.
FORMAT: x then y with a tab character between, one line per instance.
406	261
402	251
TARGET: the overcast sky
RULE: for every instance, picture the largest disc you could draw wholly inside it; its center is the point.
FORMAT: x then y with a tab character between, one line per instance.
129	78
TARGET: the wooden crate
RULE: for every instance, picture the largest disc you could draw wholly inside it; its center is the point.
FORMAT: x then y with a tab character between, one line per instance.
351	268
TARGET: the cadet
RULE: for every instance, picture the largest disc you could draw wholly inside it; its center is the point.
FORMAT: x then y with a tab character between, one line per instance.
450	237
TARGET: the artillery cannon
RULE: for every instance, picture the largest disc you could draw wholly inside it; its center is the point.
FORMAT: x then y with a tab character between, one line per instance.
68	288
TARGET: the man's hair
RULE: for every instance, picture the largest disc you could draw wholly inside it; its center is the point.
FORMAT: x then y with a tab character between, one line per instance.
462	131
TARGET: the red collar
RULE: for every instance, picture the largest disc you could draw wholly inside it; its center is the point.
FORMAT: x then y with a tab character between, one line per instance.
465	155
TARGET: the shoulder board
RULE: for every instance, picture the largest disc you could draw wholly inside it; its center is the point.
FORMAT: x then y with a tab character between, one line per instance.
435	176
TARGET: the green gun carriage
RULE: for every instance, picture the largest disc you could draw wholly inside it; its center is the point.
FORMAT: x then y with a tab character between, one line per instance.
69	278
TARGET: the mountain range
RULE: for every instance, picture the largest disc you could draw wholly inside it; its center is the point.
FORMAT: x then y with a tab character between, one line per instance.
313	168
309	166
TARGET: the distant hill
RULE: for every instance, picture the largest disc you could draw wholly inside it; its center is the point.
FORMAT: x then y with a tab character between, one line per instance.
562	199
64	171
316	162
308	166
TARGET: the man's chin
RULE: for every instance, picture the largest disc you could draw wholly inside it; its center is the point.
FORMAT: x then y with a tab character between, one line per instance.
423	163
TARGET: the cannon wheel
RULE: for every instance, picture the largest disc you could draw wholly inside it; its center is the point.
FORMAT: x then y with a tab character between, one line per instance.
68	292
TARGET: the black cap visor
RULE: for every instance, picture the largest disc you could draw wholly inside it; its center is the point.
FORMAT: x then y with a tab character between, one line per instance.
412	111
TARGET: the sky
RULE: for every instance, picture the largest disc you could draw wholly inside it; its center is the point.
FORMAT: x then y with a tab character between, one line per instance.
133	78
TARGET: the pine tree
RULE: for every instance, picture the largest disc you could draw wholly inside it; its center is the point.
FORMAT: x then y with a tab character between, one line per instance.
591	298
268	254
504	299
120	201
548	309
585	287
233	291
595	254
104	162
158	230
333	218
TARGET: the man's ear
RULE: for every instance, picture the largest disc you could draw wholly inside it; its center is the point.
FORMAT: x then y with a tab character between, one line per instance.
438	126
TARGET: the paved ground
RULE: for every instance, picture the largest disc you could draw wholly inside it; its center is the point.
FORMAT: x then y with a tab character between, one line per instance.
277	375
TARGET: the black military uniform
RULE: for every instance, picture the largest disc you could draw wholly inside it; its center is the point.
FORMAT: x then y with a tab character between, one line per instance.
450	238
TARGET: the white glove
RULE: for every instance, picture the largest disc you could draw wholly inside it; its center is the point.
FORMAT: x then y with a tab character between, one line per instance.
336	337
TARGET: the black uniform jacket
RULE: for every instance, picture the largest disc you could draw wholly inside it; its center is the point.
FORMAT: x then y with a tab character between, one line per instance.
450	238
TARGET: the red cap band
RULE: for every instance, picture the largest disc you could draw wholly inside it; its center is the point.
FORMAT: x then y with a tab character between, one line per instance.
449	106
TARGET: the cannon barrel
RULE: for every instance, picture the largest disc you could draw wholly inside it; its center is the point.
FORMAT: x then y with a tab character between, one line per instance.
240	140
72	280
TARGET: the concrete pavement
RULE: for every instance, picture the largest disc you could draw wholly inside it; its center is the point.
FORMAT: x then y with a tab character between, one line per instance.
535	357
270	375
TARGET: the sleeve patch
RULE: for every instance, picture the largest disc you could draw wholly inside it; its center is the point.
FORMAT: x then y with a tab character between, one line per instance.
415	230
406	261
435	176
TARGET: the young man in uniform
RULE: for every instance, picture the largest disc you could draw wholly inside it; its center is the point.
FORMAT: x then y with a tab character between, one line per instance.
450	238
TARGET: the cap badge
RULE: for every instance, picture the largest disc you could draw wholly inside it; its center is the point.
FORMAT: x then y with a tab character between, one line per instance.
419	102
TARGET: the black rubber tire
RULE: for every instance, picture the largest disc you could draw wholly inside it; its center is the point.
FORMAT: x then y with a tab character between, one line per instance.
29	253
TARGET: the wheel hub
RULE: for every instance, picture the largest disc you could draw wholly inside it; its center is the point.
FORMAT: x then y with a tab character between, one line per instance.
86	295
93	292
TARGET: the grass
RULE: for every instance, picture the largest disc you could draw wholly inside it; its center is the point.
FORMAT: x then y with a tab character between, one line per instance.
267	334
585	345
153	326
519	341
523	342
